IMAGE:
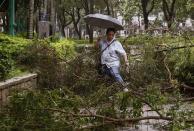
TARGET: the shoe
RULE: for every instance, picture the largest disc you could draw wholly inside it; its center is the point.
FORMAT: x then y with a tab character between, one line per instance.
126	90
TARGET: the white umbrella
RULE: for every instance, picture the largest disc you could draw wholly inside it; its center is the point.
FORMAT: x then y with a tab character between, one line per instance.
103	21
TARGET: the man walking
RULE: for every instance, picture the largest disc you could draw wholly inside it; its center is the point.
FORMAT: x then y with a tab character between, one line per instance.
111	52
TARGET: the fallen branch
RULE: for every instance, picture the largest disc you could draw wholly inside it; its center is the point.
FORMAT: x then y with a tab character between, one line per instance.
167	68
117	120
175	48
187	87
138	96
188	99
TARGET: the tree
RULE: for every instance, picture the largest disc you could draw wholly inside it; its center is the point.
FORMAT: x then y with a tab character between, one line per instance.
63	19
139	8
70	12
88	6
30	19
107	2
53	17
130	8
147	8
168	7
75	14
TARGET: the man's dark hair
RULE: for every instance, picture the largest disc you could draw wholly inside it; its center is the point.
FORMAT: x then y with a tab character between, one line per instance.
110	29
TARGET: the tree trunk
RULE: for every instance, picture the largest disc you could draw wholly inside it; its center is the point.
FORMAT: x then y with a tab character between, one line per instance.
88	6
77	30
144	4
169	11
53	17
62	31
91	31
112	10
30	19
146	21
107	6
146	11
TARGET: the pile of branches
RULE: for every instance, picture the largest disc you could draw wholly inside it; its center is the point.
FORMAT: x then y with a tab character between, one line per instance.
78	98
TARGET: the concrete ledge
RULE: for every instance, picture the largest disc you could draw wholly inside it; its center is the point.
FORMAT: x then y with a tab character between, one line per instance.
17	80
23	82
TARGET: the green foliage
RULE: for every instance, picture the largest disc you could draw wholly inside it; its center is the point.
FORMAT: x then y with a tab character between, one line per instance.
184	70
80	42
46	59
13	45
42	58
10	49
6	64
17	51
74	87
166	40
30	110
179	61
64	48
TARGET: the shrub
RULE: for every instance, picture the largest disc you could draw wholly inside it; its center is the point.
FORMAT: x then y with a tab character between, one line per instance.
13	45
64	48
43	59
10	49
6	64
46	58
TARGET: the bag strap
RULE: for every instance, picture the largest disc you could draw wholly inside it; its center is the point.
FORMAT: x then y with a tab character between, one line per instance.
107	46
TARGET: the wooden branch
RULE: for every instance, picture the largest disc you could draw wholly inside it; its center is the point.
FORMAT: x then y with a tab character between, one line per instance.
93	126
167	49
68	23
175	48
187	87
188	99
140	96
167	68
78	15
115	120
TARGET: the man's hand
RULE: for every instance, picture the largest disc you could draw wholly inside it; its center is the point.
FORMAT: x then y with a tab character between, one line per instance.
126	63
97	41
99	38
127	67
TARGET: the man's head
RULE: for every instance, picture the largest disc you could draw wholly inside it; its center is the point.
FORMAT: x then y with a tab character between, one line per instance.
110	33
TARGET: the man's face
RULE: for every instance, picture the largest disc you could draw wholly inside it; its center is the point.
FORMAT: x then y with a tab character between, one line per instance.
110	35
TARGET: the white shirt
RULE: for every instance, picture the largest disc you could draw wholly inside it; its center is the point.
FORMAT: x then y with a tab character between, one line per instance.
111	56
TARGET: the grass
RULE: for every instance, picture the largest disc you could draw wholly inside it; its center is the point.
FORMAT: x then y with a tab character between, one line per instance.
18	71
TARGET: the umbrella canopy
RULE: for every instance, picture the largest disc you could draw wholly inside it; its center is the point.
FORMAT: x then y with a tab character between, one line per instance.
103	21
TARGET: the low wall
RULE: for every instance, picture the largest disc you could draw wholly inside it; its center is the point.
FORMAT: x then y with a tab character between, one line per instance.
26	81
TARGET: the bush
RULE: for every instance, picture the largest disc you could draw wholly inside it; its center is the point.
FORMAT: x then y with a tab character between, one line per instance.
43	59
64	48
10	49
78	77
13	50
6	64
184	65
13	45
46	59
79	42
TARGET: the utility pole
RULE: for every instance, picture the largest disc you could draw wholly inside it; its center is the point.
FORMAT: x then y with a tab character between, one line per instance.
11	12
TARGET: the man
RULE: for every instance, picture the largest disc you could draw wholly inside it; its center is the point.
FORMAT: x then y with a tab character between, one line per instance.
111	51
